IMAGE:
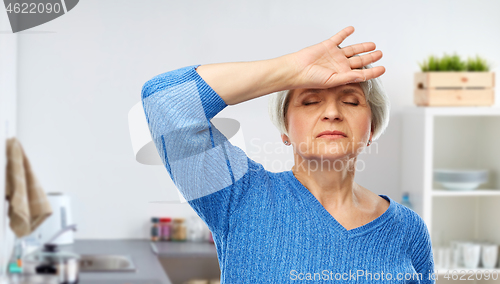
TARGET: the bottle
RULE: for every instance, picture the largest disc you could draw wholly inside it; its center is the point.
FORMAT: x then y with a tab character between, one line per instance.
165	224
155	229
406	200
16	262
178	230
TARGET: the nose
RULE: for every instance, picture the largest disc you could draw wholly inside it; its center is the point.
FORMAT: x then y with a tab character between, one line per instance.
332	112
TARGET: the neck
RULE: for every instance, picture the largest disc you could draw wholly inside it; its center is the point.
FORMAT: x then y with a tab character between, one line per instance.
330	181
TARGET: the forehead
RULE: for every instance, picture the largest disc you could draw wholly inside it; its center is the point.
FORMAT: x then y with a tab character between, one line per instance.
343	89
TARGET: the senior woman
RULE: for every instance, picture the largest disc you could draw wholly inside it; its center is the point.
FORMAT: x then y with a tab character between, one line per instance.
313	222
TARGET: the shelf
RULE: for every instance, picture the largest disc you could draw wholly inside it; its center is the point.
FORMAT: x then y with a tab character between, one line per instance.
456	111
477	192
455	138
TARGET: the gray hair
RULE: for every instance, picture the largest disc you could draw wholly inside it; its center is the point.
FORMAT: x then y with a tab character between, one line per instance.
374	93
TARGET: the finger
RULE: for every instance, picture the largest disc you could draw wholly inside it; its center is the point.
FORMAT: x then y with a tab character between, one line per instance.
357	62
354	76
358	48
342	35
362	75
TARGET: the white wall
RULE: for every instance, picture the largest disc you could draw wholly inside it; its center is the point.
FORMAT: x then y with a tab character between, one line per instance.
8	112
80	74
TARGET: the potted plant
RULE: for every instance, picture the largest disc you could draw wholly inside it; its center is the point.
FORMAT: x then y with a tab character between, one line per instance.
451	81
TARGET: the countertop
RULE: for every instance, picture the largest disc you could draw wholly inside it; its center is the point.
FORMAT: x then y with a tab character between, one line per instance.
148	267
184	249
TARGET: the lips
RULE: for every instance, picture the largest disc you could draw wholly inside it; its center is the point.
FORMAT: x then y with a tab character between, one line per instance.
328	132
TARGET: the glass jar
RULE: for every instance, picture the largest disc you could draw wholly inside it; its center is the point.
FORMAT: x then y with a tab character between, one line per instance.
178	230
155	229
165	224
195	229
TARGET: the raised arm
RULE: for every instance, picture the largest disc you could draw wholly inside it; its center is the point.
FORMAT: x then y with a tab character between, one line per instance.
322	65
213	175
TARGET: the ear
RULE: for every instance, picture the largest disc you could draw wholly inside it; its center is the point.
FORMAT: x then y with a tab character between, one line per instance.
284	138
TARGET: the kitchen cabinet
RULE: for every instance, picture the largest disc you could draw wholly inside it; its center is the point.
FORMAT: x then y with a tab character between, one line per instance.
183	261
457	138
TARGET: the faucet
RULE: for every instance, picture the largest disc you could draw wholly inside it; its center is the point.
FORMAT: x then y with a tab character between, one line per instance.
52	247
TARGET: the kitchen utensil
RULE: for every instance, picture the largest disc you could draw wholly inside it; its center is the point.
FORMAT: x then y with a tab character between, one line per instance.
463	179
446	257
456	254
443	258
49	260
471	255
489	254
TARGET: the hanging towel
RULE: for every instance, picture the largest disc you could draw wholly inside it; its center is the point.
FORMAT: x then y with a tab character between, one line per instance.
28	204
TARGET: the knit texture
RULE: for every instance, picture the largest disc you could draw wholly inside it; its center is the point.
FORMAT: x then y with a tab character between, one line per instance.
267	227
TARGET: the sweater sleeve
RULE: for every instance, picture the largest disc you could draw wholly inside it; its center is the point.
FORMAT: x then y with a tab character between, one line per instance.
212	174
421	256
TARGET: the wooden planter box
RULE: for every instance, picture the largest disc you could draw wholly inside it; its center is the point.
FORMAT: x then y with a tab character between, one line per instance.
454	88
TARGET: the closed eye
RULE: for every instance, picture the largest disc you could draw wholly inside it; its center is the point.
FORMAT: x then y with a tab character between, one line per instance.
349	103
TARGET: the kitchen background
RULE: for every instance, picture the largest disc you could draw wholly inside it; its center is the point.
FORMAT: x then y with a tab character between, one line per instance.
67	87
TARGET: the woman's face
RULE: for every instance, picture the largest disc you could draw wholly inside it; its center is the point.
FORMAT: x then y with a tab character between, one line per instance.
342	108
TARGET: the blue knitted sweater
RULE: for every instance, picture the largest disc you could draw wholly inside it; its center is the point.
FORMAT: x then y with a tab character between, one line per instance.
267	227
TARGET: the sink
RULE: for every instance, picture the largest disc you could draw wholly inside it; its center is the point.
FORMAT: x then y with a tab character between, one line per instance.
106	262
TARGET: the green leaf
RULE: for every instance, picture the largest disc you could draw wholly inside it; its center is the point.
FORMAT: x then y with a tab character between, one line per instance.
454	63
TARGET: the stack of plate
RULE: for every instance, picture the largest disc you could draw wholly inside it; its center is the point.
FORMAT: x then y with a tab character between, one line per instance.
460	179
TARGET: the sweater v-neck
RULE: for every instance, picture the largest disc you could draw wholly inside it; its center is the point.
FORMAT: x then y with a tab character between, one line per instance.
335	225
